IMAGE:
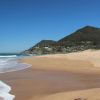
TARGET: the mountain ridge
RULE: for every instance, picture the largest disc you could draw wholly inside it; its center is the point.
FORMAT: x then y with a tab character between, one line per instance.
87	37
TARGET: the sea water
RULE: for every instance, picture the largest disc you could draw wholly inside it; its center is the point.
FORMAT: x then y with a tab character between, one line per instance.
9	63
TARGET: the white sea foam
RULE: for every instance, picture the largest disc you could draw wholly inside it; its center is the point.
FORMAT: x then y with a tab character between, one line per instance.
10	56
4	92
9	64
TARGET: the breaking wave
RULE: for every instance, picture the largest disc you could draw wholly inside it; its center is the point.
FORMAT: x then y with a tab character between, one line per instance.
9	63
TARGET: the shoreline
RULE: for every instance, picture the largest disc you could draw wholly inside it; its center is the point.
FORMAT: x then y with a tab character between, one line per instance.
5	92
34	84
51	77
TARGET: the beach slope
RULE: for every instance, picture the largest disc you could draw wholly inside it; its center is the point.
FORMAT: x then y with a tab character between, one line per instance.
63	76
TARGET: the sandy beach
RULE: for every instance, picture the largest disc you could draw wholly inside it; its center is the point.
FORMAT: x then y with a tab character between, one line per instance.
57	77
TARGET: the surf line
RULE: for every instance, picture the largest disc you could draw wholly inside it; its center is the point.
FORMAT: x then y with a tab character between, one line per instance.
4	92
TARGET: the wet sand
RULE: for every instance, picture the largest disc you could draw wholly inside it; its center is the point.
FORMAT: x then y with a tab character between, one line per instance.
31	83
51	77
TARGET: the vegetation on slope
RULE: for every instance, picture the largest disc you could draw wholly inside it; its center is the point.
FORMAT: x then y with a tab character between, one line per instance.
85	38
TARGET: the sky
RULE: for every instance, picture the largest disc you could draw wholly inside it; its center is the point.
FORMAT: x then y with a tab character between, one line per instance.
23	23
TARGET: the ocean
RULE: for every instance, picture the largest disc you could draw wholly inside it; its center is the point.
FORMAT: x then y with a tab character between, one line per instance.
9	62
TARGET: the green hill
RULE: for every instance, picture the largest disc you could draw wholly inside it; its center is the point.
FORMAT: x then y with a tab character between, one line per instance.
85	38
43	47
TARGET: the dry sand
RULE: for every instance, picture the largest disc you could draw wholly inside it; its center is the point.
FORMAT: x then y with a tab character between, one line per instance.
82	62
89	94
57	77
